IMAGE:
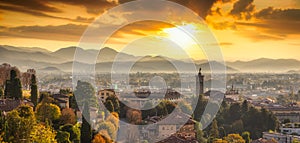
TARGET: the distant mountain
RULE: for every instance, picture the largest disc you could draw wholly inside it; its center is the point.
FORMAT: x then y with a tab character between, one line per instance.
49	70
62	60
266	65
27	49
19	57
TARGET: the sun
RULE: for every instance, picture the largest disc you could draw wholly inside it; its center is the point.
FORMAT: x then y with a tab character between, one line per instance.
181	35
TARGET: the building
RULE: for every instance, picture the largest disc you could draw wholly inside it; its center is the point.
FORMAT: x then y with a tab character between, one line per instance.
279	137
26	78
232	94
5	72
61	100
7	105
199	83
290	129
177	127
282	113
103	94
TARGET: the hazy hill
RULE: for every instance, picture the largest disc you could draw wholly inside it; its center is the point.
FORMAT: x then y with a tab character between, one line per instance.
62	59
266	65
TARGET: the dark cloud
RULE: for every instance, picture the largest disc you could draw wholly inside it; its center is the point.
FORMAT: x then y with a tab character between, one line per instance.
243	9
42	14
91	6
38	5
68	32
201	7
279	14
28	11
84	19
272	29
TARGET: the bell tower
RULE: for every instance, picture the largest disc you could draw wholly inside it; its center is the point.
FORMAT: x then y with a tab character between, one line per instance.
199	83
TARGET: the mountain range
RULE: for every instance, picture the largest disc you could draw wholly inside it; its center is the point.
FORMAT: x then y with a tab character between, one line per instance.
62	60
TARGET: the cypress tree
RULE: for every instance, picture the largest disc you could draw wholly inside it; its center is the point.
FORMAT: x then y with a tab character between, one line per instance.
13	87
33	91
1	92
214	131
85	130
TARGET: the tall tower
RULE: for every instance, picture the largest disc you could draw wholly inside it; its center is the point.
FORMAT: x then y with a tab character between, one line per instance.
199	83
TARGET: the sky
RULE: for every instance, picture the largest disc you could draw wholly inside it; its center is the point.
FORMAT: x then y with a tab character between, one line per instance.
244	29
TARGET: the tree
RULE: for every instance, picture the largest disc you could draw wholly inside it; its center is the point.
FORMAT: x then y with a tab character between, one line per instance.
234	138
19	124
134	116
33	91
1	92
185	107
101	137
246	137
170	106
109	106
67	116
63	137
110	128
214	132
245	107
114	119
200	105
13	87
85	92
72	130
115	102
85	130
150	111
199	132
161	109
47	111
43	134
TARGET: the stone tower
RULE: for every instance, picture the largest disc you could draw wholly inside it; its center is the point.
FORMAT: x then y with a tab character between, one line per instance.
199	83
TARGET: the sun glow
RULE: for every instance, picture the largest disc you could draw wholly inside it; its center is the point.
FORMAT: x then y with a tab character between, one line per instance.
182	35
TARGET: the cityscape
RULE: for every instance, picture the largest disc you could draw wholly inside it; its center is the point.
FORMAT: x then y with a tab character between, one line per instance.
149	71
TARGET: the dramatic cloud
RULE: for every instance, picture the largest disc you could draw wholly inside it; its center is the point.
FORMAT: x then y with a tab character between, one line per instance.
38	5
201	7
279	14
69	32
243	9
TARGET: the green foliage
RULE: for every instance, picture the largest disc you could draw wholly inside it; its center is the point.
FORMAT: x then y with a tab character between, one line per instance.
13	87
85	92
115	102
161	109
238	118
43	134
1	92
246	137
72	130
185	108
199	132
47	111
63	137
19	124
109	106
85	130
170	106
33	91
214	131
150	111
234	138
